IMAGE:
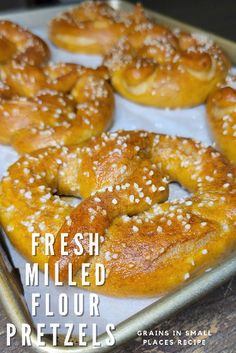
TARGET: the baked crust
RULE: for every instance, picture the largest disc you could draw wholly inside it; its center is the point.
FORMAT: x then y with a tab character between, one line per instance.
54	104
221	111
149	245
154	66
93	27
21	46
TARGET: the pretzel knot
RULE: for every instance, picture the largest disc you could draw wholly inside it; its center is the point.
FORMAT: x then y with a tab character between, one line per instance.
148	244
154	66
92	27
221	109
19	45
56	104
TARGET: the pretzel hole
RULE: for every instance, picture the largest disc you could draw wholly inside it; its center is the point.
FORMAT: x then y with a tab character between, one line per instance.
177	191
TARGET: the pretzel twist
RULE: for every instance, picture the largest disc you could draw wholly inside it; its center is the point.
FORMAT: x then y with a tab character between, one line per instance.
56	104
92	27
221	109
149	244
154	66
19	45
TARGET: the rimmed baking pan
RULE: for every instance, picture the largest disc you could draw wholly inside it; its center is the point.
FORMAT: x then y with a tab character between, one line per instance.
10	289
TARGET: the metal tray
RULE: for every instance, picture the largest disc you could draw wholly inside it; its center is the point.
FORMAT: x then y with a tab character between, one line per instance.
10	288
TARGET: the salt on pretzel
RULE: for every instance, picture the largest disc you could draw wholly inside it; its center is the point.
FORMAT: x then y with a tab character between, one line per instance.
93	27
221	111
19	45
56	104
156	67
149	245
29	80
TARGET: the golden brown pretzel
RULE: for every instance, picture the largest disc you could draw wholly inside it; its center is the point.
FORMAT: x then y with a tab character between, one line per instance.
147	248
221	109
93	27
19	45
29	80
156	67
56	104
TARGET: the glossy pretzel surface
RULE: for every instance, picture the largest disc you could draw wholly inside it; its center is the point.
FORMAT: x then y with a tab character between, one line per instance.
20	45
221	110
54	104
154	66
93	27
149	244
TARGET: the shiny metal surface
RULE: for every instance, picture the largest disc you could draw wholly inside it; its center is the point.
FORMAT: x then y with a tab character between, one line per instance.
40	17
10	290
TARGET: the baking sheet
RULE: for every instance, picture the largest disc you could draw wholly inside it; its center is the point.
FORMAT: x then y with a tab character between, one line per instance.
183	122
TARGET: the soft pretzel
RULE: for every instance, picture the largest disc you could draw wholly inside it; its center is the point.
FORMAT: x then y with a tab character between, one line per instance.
149	245
156	67
28	80
221	109
19	45
56	104
93	27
